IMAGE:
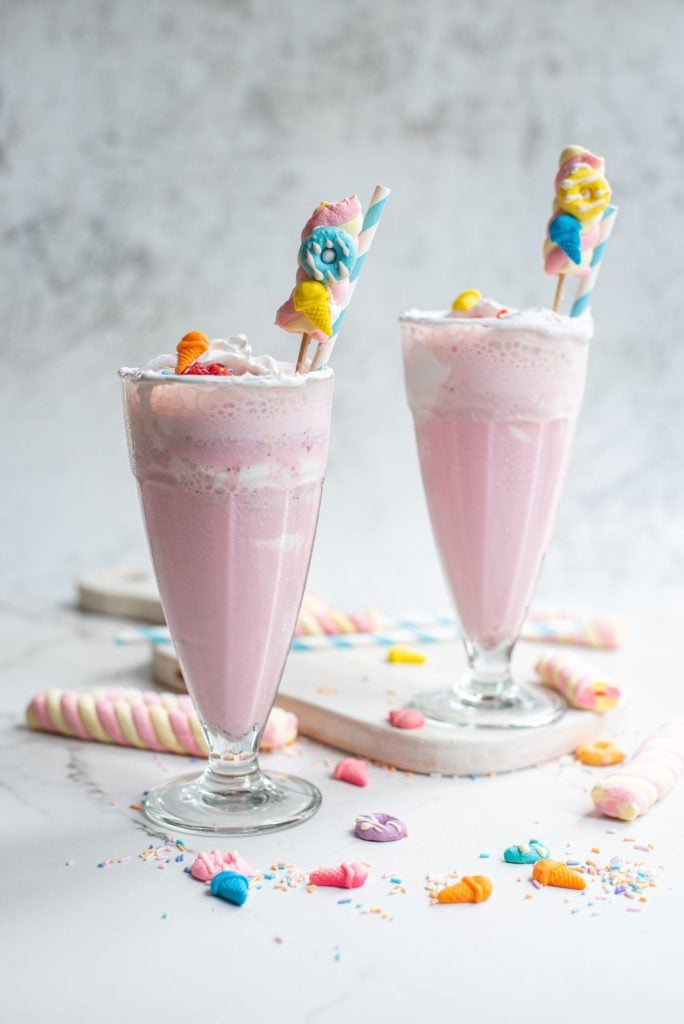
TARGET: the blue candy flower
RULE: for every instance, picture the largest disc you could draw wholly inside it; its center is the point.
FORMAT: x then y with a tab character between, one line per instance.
328	254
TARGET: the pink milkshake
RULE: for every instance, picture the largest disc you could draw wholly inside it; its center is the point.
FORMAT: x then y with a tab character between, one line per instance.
495	399
230	471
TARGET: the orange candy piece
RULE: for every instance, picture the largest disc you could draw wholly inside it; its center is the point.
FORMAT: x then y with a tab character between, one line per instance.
602	752
554	872
470	889
189	348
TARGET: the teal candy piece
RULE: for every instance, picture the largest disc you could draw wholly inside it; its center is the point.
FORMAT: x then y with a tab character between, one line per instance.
565	231
230	886
530	854
328	254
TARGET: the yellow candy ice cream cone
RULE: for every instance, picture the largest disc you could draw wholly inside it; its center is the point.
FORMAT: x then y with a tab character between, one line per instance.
313	300
189	348
471	889
554	872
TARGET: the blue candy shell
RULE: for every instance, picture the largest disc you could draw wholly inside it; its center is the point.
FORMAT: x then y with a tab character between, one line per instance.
565	231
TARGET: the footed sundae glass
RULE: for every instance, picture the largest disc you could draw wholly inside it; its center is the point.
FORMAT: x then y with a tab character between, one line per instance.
495	400
230	471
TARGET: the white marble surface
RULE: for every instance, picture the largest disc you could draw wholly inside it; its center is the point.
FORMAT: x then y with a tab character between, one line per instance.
82	943
157	162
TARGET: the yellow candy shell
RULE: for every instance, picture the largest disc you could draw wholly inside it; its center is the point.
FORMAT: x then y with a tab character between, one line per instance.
466	300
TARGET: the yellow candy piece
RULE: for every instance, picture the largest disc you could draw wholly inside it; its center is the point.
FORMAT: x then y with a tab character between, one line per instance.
405	656
466	300
584	193
313	300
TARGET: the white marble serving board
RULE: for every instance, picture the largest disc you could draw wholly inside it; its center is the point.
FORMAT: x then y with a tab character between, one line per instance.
342	698
124	592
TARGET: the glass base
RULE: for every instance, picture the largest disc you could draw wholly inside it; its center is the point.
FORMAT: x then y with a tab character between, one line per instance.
517	707
260	803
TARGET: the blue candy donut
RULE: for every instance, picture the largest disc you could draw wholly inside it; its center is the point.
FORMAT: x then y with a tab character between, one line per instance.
328	253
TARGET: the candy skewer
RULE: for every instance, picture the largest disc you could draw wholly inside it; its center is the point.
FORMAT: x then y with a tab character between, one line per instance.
581	221
303	349
558	297
371	220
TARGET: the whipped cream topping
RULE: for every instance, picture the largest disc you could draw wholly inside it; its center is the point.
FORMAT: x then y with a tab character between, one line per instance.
234	353
484	307
490	313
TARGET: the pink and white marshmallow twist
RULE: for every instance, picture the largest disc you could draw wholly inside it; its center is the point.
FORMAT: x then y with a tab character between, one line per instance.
647	778
165	722
582	685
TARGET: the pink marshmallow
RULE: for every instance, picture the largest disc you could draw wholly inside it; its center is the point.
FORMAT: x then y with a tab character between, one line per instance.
333	215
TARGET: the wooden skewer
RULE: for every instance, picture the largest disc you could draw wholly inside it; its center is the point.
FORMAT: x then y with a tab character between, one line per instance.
303	349
558	297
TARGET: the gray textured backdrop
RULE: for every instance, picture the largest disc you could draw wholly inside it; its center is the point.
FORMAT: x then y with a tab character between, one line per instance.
157	162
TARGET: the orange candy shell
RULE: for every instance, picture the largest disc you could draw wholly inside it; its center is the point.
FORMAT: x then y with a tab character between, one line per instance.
470	889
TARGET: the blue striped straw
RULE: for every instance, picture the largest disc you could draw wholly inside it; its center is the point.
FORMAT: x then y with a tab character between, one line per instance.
428	627
371	219
586	284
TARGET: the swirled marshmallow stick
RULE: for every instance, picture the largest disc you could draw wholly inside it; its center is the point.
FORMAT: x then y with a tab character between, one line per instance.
165	722
582	685
647	778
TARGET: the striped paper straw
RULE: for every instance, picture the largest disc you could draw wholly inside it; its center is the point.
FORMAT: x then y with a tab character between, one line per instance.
371	220
431	627
586	284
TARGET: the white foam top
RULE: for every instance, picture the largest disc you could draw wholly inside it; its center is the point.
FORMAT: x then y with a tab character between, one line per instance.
235	354
489	313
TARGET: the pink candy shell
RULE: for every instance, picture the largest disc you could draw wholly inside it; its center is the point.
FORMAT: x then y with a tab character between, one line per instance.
343	876
406	718
353	770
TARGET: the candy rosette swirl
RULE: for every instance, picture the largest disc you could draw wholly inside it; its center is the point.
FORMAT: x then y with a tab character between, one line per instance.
582	196
325	261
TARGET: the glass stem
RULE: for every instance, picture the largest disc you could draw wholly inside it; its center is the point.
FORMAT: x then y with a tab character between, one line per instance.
233	765
488	678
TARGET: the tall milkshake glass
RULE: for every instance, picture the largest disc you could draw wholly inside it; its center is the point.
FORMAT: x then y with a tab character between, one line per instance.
230	471
495	402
